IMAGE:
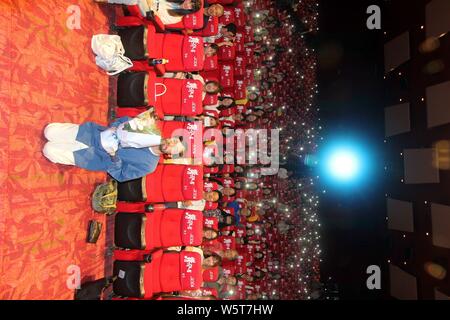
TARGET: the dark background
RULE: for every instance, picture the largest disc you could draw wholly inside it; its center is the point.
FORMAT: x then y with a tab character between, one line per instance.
354	232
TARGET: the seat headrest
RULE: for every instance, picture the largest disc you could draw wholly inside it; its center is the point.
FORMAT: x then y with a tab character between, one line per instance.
190	270
193	182
192	228
193	53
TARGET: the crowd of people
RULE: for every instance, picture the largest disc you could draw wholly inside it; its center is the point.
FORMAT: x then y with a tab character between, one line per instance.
195	219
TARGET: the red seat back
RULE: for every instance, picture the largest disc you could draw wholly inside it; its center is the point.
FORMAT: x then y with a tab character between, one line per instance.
191	270
239	15
211	63
211	274
239	42
169	272
185	53
210	99
172	183
192	228
240	89
227	53
227	75
240	65
211	222
178	97
228	16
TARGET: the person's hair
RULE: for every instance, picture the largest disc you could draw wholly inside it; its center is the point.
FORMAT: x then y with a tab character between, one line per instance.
216	120
253	99
217	257
260	258
218	5
211	229
220	195
262	274
231	27
215	47
233	220
196	6
236	254
219	87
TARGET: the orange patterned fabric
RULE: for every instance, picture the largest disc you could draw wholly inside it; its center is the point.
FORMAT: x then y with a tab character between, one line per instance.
47	74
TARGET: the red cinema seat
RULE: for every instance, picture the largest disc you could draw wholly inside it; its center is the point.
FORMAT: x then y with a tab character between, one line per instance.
248	34
227	53
211	222
185	53
211	274
239	16
211	63
239	42
158	229
240	89
240	65
211	170
181	97
210	99
168	96
211	29
228	242
226	78
171	183
228	16
228	269
166	272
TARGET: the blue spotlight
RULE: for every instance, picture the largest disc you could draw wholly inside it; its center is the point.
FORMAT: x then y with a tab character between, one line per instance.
343	164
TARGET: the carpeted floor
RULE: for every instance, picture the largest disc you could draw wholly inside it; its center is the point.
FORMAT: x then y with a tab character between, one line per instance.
47	74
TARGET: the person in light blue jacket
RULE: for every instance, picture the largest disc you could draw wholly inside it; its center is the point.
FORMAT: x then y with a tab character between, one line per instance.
97	148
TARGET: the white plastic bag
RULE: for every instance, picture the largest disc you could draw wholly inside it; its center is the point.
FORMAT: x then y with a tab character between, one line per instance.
109	53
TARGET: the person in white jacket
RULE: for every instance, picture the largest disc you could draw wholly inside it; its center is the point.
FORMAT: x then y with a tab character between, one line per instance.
168	11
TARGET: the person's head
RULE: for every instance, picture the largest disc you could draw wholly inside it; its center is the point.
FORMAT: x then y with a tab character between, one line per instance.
250	232
251	186
231	254
212	196
259	255
228	158
212	87
192	5
252	96
276	276
210	234
259	274
210	122
251	118
229	30
228	219
238	117
268	225
215	10
211	50
227	102
238	169
212	261
246	212
185	7
267	191
173	146
253	296
227	191
231	281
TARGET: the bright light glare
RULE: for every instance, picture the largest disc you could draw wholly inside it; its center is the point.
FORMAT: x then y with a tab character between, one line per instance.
343	165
